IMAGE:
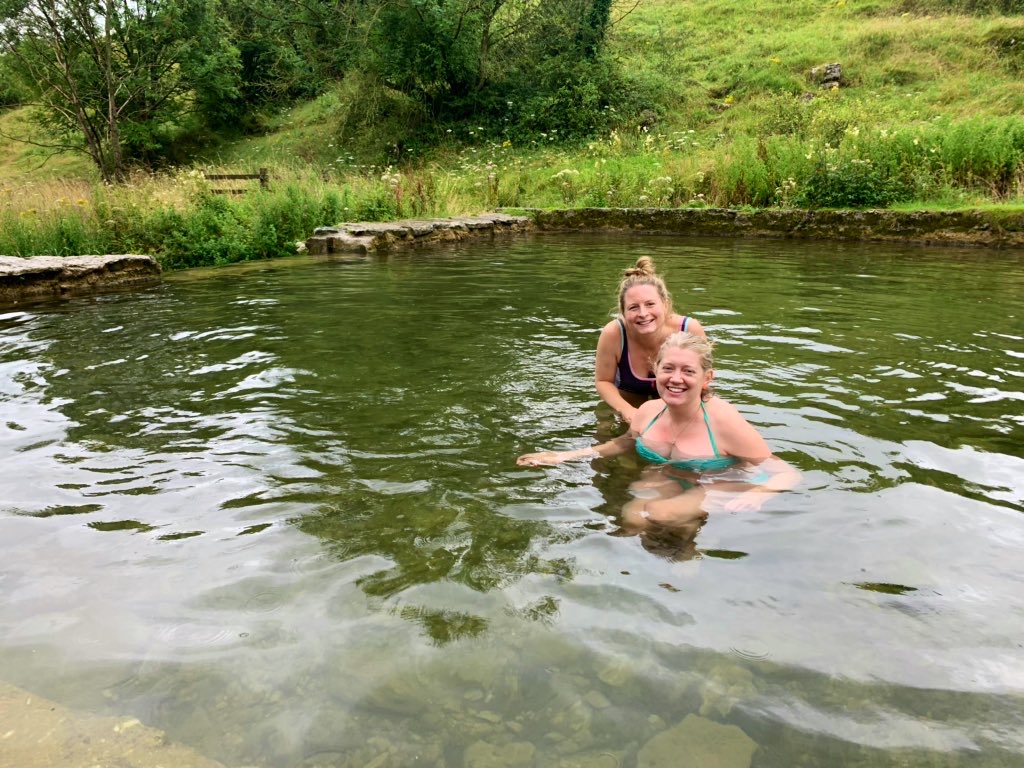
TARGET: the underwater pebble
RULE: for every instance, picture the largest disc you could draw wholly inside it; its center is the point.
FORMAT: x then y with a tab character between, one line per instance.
482	754
124	726
591	760
615	673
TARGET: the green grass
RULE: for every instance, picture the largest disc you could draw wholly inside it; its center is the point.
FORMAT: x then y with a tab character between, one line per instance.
23	163
928	116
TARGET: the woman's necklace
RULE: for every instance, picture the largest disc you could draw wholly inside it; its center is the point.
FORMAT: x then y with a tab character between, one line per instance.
686	425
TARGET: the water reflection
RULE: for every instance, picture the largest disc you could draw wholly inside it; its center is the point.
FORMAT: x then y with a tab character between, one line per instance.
274	511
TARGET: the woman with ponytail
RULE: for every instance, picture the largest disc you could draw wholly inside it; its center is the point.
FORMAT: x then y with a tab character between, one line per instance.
629	344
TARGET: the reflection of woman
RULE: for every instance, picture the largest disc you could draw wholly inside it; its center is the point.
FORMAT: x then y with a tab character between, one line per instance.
624	369
697	442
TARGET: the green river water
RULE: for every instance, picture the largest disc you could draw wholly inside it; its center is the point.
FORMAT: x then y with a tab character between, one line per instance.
274	511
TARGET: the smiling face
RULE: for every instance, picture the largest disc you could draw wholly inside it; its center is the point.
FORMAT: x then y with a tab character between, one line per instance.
643	308
684	370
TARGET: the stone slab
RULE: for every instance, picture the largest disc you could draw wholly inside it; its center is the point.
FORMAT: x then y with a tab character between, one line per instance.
368	237
52	278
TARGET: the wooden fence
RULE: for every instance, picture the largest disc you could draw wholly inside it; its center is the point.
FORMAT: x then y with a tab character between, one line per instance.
263	177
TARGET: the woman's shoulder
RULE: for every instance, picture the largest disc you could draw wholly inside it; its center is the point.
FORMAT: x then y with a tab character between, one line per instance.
651	406
676	321
721	409
693	325
645	412
736	436
612	331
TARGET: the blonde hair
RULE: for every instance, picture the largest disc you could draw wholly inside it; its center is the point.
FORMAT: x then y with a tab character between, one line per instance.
642	273
690	343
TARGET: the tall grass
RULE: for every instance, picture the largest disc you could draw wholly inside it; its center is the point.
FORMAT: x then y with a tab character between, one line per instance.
827	153
178	219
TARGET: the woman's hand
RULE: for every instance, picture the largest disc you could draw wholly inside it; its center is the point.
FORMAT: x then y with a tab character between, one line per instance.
613	447
542	459
749	501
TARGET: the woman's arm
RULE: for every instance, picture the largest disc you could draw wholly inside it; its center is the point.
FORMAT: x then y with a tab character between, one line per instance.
737	437
609	347
782	477
734	435
613	447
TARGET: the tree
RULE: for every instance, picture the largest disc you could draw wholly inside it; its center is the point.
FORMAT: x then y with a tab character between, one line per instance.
292	50
535	64
120	79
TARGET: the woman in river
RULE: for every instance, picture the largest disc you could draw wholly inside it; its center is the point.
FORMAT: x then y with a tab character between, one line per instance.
699	445
628	345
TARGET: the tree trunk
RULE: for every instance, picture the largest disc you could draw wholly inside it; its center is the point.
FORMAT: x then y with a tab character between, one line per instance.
115	158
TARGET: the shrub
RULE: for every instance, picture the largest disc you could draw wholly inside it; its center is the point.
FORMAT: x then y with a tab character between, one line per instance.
986	151
845	182
783	114
742	176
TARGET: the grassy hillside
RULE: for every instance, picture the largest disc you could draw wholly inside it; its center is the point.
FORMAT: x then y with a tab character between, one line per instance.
907	65
740	67
927	115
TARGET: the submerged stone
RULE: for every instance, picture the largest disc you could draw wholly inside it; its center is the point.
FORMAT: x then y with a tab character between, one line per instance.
39	733
597	700
726	685
698	741
483	754
616	672
590	760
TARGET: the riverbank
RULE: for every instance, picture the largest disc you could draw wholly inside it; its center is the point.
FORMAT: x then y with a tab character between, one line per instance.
52	278
980	228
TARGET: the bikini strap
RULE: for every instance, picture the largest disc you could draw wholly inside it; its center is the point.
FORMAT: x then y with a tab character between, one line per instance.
622	330
711	435
686	322
651	424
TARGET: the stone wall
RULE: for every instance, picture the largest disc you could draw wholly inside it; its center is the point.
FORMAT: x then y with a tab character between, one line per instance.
363	238
49	278
994	229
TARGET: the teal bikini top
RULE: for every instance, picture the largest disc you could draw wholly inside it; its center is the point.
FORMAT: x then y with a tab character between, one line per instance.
710	464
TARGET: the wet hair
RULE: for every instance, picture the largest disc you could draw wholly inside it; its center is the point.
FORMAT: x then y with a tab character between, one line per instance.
689	342
642	273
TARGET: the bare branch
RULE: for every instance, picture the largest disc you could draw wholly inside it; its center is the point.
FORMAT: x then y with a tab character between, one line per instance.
626	13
